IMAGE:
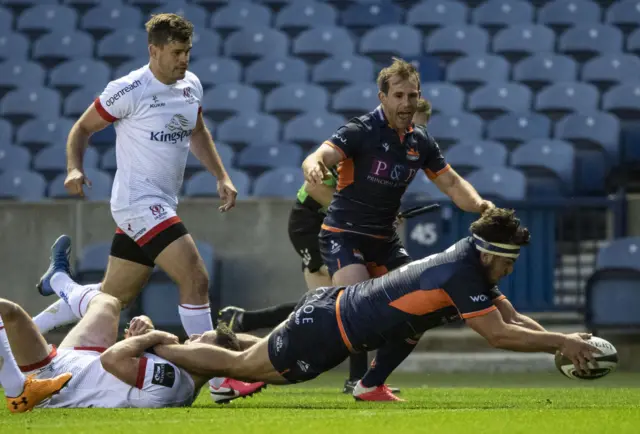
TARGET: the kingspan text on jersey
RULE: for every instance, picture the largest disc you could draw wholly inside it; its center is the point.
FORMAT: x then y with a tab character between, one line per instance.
161	136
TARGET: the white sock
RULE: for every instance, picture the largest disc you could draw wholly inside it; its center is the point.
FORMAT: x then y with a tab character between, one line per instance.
57	315
196	319
75	295
11	378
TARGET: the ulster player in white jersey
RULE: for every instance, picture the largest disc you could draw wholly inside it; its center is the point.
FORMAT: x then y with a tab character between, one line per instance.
157	116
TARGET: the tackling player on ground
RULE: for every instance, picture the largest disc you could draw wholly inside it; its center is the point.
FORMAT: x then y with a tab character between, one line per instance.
305	221
157	114
378	155
390	313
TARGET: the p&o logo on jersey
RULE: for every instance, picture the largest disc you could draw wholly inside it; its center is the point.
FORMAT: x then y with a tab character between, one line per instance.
158	212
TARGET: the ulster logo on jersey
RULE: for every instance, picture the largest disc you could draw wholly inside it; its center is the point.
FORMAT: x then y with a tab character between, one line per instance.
186	92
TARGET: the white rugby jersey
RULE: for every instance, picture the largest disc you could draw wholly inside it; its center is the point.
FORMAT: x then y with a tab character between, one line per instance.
153	123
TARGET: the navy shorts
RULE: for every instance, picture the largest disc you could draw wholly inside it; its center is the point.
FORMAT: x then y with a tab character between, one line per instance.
380	255
309	342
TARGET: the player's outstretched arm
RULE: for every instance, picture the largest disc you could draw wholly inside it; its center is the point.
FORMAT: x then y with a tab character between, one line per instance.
461	192
315	165
122	360
321	193
511	316
90	122
201	359
512	337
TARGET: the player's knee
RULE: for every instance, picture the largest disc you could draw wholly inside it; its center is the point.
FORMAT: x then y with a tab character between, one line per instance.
199	283
9	310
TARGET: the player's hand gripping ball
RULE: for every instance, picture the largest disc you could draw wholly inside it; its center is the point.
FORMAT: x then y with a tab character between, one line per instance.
607	362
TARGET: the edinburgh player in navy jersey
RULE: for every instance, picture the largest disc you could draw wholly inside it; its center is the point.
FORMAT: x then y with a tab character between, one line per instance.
390	313
378	155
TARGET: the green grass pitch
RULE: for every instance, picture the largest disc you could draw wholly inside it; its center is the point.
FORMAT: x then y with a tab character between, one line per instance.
436	404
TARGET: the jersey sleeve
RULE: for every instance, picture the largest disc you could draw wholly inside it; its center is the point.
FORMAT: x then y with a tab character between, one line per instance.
435	163
347	140
496	294
117	100
468	291
198	90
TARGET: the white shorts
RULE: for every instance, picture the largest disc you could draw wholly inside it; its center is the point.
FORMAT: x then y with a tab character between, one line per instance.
159	384
143	222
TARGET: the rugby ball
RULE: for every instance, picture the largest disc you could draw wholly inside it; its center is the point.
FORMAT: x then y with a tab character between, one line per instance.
607	361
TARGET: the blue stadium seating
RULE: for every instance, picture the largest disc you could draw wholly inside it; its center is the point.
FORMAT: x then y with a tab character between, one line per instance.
594	130
256	159
623	13
229	98
27	3
92	262
360	17
341	70
291	99
21	73
545	68
319	43
457	40
472	71
203	184
13	46
104	138
241	14
281	182
22	185
270	72
612	296
38	133
386	41
444	97
254	42
562	98
468	156
100	189
6	132
501	13
421	188
194	13
206	43
585	41
111	16
89	73
47	18
499	182
610	69
495	98
28	102
430	68
52	160
565	13
124	44
437	13
455	127
549	166
633	42
14	158
356	100
63	44
299	16
249	127
311	129
513	128
108	161
519	41
130	65
623	101
216	70
79	100
6	20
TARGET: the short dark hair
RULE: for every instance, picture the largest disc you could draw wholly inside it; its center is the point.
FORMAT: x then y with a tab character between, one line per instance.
162	29
399	67
500	225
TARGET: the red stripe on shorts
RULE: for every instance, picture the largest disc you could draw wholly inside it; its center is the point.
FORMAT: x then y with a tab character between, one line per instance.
42	363
119	231
142	371
157	229
102	112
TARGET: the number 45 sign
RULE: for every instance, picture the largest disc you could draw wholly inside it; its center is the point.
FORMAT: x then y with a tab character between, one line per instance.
424	234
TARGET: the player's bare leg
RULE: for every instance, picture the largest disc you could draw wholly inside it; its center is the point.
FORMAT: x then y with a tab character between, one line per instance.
98	327
125	279
251	365
358	363
317	279
21	344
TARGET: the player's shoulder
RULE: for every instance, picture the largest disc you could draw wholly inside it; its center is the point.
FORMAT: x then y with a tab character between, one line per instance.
423	137
193	81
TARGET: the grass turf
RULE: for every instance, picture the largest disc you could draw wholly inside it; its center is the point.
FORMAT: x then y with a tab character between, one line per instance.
499	403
